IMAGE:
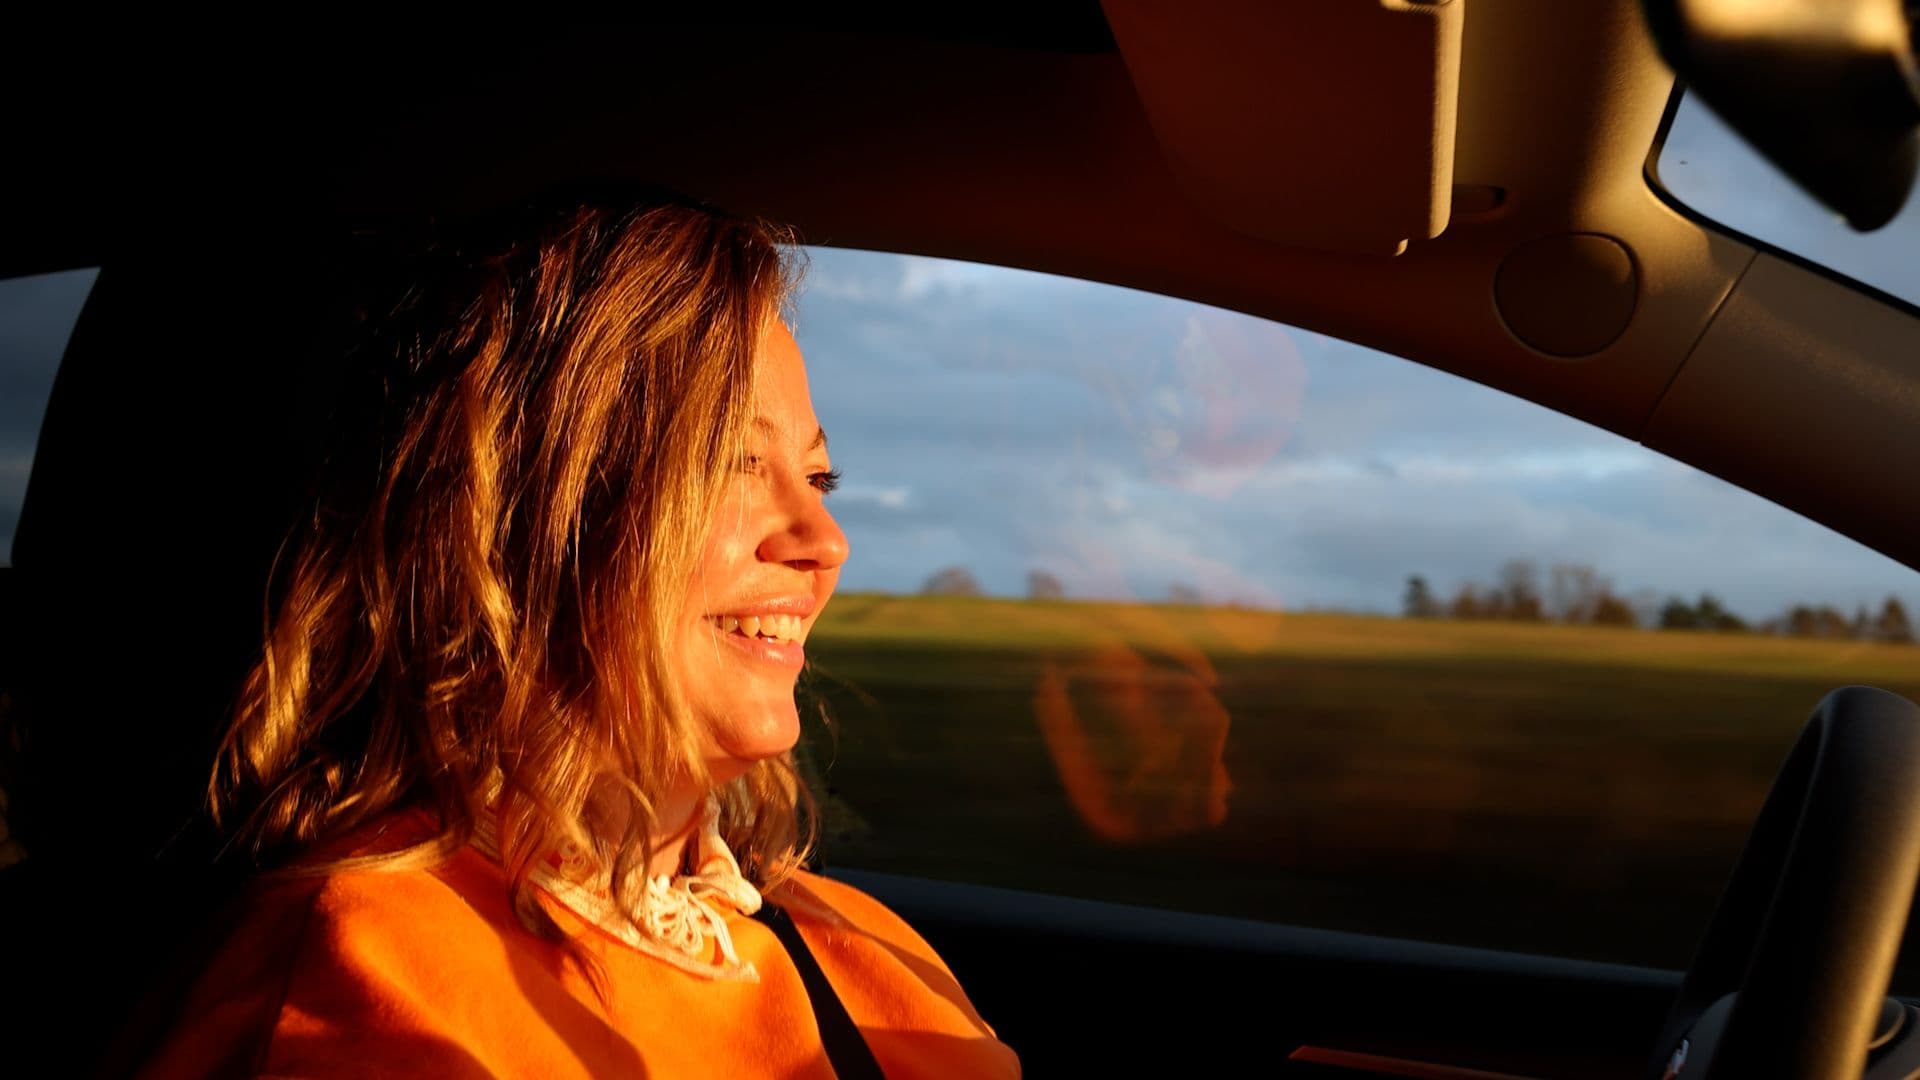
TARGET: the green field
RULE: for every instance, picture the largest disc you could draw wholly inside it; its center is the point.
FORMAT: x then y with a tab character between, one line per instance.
1570	790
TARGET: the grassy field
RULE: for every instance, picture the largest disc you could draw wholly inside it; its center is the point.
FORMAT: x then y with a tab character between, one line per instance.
1570	790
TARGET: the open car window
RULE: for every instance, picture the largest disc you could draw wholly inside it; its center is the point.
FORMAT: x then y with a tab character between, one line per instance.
1156	603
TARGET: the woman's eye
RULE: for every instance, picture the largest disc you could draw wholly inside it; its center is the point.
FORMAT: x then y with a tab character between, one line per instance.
825	481
751	463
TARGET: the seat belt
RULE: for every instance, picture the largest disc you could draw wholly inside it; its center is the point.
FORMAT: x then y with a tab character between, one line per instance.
847	1051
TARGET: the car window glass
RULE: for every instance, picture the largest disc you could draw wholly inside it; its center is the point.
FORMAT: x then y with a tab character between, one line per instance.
1713	171
37	314
1157	603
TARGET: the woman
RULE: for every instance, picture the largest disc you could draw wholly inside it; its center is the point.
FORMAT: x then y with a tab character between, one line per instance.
517	750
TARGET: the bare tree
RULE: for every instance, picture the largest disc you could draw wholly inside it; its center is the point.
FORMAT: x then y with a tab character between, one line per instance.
1892	625
1519	591
1831	623
1419	602
1042	585
952	581
1467	604
1800	621
1611	610
1576	592
1863	627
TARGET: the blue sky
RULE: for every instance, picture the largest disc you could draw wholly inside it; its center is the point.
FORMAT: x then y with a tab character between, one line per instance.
1124	442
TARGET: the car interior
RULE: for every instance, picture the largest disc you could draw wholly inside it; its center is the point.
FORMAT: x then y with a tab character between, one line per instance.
1469	184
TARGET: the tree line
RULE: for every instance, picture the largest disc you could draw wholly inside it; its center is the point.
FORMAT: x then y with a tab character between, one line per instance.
1041	585
1573	593
1578	594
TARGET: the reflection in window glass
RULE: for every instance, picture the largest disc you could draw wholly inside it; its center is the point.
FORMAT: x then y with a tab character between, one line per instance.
37	314
1709	168
1156	603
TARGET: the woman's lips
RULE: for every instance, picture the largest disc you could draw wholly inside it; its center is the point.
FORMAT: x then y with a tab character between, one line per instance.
771	629
786	654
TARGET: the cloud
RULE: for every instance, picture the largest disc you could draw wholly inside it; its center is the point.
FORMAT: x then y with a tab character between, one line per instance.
890	498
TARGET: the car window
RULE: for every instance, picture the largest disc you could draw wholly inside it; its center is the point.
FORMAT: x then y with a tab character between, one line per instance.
1157	603
37	314
1709	169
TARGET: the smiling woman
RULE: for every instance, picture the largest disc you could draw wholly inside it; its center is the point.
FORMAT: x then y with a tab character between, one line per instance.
515	758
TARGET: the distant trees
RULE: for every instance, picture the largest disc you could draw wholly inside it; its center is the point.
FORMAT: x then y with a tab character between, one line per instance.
1611	610
1577	593
1466	604
1706	614
1677	614
952	581
1825	621
1807	621
1573	594
1518	597
1418	601
1892	625
1044	586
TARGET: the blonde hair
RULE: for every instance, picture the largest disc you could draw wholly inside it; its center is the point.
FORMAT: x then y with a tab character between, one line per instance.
477	617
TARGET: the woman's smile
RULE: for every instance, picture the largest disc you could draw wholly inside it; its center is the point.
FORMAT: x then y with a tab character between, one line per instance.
773	632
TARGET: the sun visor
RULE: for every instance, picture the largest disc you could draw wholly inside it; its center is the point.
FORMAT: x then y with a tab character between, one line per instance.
1322	124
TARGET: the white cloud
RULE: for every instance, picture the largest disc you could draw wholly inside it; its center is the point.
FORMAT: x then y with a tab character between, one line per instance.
888	497
921	277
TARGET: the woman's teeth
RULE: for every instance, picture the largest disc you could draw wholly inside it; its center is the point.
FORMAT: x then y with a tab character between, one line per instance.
770	627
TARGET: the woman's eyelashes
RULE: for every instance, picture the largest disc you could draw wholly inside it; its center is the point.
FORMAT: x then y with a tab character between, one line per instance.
824	481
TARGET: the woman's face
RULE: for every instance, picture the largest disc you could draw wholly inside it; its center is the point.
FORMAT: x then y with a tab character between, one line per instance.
767	571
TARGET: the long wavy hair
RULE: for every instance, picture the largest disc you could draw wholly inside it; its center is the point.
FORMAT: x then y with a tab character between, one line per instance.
478	616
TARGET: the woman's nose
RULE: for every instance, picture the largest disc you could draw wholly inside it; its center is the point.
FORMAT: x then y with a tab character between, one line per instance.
811	538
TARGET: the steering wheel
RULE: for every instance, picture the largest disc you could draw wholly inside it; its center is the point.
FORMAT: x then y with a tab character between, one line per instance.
1791	978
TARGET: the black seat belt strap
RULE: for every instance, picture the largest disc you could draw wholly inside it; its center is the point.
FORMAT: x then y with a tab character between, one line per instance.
847	1051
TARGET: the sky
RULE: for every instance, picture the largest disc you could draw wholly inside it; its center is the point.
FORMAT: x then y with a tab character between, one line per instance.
1130	444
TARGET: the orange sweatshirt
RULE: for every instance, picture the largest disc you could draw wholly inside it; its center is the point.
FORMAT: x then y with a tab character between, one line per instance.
427	973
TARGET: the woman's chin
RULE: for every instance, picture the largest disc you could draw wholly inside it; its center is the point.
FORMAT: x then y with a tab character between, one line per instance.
742	741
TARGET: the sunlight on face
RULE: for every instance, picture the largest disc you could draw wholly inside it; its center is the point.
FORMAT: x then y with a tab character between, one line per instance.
768	570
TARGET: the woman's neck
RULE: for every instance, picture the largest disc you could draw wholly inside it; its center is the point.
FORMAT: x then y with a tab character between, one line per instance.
676	819
674	826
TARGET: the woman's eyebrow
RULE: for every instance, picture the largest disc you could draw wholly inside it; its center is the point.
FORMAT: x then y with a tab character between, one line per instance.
819	435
